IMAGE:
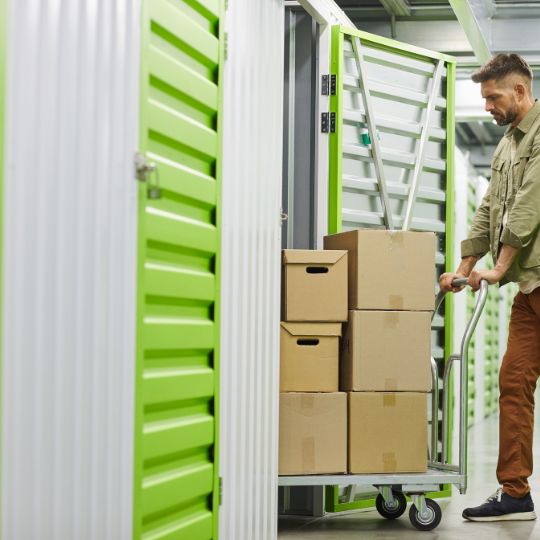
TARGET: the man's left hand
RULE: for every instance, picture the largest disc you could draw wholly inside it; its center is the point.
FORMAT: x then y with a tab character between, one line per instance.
492	277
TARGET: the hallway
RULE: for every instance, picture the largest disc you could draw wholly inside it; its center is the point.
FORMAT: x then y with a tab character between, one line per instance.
367	525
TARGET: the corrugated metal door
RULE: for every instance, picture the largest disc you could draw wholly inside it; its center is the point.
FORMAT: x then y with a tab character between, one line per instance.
249	360
69	218
175	495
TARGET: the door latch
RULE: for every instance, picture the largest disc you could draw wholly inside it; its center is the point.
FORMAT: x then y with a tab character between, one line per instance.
284	217
143	173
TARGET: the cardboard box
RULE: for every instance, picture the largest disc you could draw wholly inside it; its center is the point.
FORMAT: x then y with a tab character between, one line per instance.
309	357
387	432
314	286
312	433
386	351
390	270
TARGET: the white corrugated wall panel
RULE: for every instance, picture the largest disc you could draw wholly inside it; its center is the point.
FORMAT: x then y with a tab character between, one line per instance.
251	237
69	270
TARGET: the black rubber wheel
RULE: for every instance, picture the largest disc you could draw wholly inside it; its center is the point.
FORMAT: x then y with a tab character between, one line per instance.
433	520
400	505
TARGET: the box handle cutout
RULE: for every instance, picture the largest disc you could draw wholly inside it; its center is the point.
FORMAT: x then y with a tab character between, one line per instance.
308	342
316	270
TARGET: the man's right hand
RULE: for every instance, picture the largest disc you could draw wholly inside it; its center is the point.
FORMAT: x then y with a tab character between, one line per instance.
445	282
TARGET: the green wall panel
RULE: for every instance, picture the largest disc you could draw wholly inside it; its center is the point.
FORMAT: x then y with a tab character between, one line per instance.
178	265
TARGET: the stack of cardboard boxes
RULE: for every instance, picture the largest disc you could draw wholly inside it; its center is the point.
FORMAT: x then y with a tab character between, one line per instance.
384	359
313	413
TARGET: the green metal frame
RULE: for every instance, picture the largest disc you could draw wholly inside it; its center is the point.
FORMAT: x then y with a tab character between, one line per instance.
217	308
336	141
208	8
335	194
450	229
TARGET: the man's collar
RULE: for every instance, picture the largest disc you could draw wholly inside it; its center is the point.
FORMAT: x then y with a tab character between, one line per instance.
527	121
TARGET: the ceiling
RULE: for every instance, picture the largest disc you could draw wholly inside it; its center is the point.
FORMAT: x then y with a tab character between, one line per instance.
508	26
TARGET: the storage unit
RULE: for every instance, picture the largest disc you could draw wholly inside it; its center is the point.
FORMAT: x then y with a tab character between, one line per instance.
118	304
143	312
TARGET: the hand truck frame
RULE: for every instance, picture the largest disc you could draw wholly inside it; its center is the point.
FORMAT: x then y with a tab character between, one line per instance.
425	514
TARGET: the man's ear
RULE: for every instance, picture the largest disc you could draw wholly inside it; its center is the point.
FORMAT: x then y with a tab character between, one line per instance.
520	90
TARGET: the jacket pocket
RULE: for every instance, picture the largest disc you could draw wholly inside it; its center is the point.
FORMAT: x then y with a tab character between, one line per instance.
519	167
497	166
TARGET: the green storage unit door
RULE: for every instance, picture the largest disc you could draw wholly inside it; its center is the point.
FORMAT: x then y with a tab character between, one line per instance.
404	95
175	468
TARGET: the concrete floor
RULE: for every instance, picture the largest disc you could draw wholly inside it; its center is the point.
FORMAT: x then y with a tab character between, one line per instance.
362	525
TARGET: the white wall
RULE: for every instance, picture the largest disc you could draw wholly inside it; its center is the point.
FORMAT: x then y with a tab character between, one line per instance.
251	239
68	284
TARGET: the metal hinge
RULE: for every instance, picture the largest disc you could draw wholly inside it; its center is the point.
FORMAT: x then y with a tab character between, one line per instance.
225	45
325	89
143	170
324	122
328	122
220	490
333	83
328	87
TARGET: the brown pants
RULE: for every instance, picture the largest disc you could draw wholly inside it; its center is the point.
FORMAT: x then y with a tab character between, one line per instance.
517	381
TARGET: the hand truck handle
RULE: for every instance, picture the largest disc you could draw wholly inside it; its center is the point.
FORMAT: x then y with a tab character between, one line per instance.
463	358
462	282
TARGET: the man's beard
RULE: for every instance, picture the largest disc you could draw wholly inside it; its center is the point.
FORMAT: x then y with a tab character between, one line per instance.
510	116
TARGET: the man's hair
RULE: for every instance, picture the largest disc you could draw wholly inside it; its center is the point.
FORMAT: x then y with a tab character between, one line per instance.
500	66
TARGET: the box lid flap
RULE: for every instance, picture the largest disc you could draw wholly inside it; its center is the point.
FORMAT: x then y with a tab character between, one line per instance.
312	329
311	256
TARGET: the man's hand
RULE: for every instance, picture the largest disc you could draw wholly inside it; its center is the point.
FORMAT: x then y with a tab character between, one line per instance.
492	277
445	282
464	270
505	260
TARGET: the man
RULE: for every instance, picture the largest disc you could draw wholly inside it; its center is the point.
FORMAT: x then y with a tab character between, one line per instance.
507	222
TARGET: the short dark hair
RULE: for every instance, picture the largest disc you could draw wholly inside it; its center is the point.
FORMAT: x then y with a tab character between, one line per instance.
500	66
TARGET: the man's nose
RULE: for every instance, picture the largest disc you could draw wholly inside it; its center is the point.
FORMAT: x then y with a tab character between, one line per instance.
489	106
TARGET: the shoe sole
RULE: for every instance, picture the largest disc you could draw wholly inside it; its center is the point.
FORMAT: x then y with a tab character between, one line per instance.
522	516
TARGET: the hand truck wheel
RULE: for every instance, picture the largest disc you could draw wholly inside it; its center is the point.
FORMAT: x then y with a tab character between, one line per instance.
400	505
433	519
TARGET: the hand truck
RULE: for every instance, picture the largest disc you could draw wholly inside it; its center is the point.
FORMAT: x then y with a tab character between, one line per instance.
425	514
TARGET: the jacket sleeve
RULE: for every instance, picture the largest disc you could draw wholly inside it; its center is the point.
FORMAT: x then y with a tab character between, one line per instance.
478	242
524	218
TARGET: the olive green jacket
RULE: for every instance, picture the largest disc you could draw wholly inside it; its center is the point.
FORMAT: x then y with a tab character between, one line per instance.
519	186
